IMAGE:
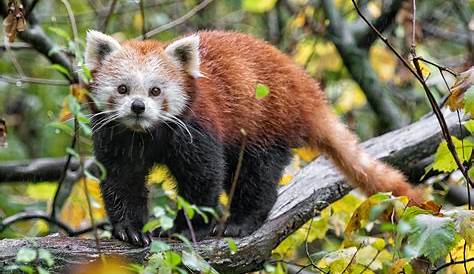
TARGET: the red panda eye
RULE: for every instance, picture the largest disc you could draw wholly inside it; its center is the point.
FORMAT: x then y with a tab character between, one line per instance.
122	89
155	91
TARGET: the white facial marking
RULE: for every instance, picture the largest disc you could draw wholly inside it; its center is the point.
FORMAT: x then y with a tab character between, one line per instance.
139	74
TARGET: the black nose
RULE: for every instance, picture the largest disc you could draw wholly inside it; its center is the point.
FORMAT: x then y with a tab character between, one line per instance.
138	106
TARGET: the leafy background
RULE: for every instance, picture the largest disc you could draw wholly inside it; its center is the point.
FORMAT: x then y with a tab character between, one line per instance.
380	234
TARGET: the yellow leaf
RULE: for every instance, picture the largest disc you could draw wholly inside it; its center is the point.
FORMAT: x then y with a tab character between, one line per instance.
104	265
65	114
383	62
463	82
79	92
224	199
75	211
352	97
285	179
307	154
41	191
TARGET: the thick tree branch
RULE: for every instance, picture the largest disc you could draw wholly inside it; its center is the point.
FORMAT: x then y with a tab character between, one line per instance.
313	188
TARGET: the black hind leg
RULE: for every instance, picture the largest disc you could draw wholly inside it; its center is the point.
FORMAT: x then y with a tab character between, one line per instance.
256	188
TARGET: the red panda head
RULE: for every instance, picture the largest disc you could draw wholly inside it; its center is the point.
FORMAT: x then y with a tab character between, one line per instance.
141	83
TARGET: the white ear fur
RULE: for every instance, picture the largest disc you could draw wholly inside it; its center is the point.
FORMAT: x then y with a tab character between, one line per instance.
185	53
98	46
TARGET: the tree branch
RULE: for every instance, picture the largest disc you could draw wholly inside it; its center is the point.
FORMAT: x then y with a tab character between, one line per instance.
312	189
37	38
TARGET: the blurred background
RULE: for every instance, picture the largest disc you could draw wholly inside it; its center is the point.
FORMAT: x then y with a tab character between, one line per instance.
366	84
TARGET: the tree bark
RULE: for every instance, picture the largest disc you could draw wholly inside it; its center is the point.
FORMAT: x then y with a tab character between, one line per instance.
313	188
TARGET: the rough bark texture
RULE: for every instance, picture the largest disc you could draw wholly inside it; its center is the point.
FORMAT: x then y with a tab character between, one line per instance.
314	188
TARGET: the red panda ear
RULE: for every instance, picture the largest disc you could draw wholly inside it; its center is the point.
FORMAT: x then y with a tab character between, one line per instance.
98	46
185	53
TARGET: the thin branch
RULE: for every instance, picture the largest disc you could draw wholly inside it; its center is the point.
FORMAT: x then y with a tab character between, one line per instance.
176	22
142	14
419	76
55	207
40	215
15	46
367	37
452	263
31	80
108	16
226	211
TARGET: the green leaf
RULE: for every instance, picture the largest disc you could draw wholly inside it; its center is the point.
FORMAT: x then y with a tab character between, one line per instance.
258	6
172	258
166	222
151	225
72	152
232	245
60	69
197	263
444	161
46	257
159	246
431	236
464	223
261	91
469	125
25	255
42	270
60	32
66	128
73	105
469	100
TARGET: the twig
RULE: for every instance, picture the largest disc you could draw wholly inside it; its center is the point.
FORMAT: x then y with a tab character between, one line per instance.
176	22
235	178
306	245
109	15
452	263
352	259
371	262
64	172
413	28
31	80
24	216
419	76
15	46
142	14
190	226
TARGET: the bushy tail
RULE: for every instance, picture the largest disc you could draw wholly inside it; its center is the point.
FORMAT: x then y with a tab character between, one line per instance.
333	139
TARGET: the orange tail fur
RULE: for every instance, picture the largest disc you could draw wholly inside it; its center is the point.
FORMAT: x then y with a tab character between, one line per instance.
332	138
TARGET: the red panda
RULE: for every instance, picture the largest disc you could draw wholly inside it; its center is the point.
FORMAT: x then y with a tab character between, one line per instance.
185	103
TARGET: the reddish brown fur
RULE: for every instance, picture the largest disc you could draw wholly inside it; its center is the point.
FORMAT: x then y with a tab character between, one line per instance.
295	111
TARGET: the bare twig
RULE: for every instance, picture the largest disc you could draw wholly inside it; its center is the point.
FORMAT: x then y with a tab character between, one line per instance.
40	215
451	263
352	259
176	22
419	76
142	14
190	227
108	16
226	211
31	80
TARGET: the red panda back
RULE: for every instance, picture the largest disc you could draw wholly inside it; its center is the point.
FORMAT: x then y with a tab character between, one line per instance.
232	65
